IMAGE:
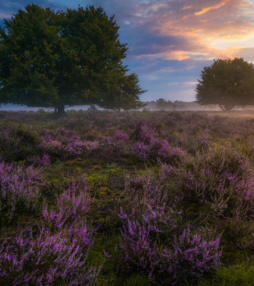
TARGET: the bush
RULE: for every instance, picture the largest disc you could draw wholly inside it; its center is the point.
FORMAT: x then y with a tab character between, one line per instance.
49	259
19	190
149	236
18	143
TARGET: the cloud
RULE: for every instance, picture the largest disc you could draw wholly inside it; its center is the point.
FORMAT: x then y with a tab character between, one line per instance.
210	30
187	7
5	15
207	9
11	7
246	53
172	30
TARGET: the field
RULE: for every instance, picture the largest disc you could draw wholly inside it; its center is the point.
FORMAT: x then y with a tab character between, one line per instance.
130	199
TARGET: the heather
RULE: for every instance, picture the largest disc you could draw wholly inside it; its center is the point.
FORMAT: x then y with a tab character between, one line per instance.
126	198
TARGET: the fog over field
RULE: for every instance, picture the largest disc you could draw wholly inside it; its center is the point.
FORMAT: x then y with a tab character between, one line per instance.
151	106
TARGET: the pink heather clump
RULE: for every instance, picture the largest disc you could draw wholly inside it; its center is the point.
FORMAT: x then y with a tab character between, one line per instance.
137	247
162	150
149	191
116	145
121	137
147	132
43	161
223	180
65	143
19	187
149	146
151	217
71	205
58	253
107	140
49	259
141	150
193	255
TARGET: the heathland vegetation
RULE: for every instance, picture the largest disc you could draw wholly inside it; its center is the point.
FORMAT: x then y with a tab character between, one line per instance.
114	198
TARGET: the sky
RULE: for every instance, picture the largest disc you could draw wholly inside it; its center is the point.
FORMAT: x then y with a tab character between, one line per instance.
170	41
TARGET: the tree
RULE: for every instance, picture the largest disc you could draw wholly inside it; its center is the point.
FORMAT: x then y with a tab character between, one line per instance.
120	91
64	58
161	103
228	83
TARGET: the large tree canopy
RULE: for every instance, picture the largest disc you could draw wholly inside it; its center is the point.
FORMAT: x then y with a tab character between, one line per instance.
65	58
228	83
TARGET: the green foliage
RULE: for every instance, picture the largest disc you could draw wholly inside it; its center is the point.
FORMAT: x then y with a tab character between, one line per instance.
17	143
228	83
97	179
113	169
42	113
137	280
73	57
235	275
161	103
28	57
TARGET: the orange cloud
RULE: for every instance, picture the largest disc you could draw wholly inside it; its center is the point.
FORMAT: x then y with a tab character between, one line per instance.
168	55
205	53
207	9
177	55
187	7
225	53
223	33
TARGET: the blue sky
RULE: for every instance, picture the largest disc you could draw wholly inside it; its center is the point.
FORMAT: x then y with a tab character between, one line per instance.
170	41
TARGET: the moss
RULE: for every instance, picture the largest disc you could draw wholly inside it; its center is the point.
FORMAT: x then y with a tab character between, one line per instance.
112	169
97	178
78	162
29	136
235	275
137	280
97	167
102	192
194	207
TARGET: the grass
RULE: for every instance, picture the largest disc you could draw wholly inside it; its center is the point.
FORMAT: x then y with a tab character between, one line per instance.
235	275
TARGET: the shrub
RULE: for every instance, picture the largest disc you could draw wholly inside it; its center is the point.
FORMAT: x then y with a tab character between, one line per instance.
141	151
18	143
150	241
221	179
49	259
193	255
150	147
64	144
43	160
71	206
19	190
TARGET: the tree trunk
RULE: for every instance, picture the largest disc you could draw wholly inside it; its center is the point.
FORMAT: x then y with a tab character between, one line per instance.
226	107
59	110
